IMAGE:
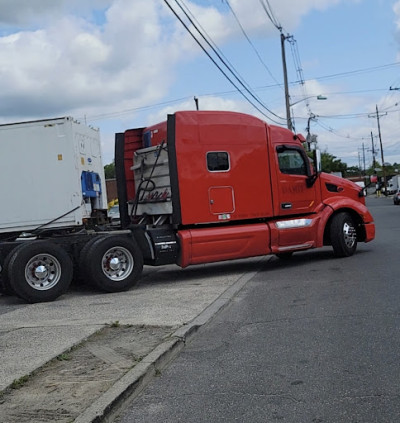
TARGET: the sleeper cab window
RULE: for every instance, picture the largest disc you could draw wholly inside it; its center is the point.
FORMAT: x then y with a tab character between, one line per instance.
218	161
291	161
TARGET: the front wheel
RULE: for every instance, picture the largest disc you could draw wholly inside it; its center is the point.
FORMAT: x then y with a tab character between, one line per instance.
114	263
39	271
343	235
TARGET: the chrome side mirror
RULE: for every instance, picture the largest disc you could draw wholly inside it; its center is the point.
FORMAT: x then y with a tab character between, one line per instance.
317	161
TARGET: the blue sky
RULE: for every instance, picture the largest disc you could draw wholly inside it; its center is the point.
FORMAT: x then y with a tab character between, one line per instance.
127	63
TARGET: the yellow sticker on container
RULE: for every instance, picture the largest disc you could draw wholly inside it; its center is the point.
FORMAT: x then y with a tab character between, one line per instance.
59	156
82	161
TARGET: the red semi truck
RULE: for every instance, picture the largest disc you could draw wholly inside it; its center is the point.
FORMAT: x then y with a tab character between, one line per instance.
210	186
201	187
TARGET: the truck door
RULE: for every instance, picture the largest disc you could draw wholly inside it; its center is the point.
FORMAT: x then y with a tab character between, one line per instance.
294	195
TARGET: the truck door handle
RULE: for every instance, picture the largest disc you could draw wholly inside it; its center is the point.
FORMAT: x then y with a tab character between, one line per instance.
286	205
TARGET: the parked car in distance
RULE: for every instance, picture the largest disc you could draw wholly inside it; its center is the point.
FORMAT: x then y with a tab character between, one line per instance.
396	197
113	214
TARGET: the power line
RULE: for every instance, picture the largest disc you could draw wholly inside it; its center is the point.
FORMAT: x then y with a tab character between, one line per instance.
268	10
345	116
337	133
392	94
251	43
359	115
389	107
381	145
222	93
296	59
299	71
357	71
207	38
355	91
130	110
222	58
243	84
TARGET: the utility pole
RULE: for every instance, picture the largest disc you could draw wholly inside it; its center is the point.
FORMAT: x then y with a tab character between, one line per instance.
363	157
308	139
380	142
363	171
285	81
373	152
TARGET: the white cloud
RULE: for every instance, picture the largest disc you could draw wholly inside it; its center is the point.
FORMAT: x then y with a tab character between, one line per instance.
220	24
205	103
396	10
60	61
74	64
28	13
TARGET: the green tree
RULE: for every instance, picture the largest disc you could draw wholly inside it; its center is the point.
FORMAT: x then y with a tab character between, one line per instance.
109	170
331	163
353	171
371	170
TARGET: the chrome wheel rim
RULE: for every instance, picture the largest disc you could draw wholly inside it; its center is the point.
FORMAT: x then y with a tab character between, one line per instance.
350	235
117	263
43	272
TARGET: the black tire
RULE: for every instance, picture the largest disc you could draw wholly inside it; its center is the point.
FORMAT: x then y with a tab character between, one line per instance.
285	256
114	263
82	266
343	235
39	271
5	287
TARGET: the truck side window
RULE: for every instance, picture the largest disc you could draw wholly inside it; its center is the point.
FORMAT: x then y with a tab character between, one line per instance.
291	162
217	161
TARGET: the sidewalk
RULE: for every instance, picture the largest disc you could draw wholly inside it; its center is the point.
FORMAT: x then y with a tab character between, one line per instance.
87	351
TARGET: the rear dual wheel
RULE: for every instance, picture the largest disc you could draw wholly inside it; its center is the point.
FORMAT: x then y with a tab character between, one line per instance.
112	263
37	271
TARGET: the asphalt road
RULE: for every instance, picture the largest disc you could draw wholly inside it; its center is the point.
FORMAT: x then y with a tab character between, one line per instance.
315	339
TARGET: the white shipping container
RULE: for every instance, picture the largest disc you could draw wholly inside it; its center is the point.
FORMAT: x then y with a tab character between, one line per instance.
41	165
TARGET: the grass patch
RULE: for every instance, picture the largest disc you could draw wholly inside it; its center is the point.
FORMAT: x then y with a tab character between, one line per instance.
115	324
19	383
64	357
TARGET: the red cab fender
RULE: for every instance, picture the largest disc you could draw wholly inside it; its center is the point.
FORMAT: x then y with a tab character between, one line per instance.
337	204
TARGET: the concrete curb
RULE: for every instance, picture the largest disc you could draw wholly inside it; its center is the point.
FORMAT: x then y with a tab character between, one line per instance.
109	405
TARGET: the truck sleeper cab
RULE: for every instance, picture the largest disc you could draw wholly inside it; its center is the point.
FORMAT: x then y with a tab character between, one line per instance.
210	186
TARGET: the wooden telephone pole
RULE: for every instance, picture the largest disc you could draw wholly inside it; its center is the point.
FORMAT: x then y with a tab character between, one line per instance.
376	114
